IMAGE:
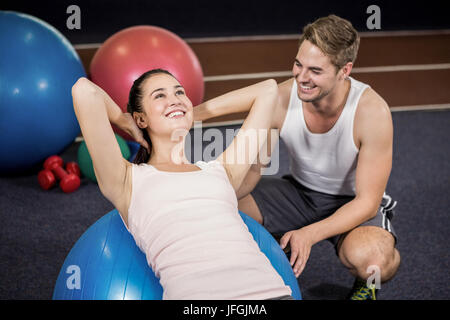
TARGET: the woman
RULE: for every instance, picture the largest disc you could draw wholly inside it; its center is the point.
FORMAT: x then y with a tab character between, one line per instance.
183	216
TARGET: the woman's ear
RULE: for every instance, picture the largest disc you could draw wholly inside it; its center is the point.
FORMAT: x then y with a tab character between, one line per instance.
140	120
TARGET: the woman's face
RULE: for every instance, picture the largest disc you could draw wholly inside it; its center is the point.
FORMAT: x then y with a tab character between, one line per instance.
166	106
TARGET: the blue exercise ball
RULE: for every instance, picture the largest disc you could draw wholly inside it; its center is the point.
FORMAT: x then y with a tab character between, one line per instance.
106	264
38	68
270	247
134	148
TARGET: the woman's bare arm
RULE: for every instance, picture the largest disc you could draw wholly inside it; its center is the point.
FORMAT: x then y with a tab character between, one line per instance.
242	153
94	112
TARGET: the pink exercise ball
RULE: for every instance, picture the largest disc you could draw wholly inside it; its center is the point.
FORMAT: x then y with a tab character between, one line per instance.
127	54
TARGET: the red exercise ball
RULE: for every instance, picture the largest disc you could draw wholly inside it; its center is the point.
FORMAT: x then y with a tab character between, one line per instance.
127	54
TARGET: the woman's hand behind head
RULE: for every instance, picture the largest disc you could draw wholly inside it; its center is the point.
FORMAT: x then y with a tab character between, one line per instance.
127	124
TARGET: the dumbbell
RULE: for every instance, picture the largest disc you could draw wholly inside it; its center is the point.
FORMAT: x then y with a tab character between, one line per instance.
70	178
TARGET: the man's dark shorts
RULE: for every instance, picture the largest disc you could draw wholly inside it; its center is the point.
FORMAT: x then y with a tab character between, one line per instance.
287	205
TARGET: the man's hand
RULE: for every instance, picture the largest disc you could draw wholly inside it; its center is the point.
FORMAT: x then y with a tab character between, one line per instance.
300	242
127	124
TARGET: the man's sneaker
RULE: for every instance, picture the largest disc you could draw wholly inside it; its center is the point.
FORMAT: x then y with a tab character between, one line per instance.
361	291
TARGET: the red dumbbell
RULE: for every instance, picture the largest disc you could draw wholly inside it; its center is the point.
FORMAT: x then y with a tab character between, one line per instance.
70	180
46	179
72	167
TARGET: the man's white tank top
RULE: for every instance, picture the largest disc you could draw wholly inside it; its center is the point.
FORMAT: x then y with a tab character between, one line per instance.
324	162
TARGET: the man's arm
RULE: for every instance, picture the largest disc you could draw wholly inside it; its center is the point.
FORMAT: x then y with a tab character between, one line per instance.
374	132
373	125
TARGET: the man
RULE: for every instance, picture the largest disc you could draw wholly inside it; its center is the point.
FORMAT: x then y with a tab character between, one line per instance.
339	135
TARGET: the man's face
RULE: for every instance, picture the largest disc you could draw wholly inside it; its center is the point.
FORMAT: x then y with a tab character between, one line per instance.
314	73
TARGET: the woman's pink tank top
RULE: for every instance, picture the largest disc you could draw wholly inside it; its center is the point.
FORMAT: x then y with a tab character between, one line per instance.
188	225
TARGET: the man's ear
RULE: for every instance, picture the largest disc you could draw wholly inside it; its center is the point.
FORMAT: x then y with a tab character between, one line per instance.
347	69
140	120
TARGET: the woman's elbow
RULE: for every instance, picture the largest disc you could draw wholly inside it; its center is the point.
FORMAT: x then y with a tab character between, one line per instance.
269	93
271	86
82	87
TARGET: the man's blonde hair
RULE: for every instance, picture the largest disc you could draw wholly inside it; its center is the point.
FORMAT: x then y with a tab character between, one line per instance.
335	36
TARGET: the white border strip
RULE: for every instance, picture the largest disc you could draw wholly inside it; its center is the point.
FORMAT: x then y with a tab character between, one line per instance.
243	76
403	33
295	36
427	107
282	74
84	46
406	67
275	37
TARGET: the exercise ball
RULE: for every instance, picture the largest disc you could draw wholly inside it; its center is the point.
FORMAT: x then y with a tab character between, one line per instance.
270	247
134	148
127	54
85	161
38	67
106	264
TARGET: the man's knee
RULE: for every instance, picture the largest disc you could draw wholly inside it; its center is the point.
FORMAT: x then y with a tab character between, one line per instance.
248	206
367	247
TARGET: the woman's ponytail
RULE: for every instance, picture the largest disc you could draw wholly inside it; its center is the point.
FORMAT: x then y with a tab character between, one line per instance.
143	155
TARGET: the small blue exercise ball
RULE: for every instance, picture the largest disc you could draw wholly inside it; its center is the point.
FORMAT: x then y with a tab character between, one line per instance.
106	264
134	148
38	68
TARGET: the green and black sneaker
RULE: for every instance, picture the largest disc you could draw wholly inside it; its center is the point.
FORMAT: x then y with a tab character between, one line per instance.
361	291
